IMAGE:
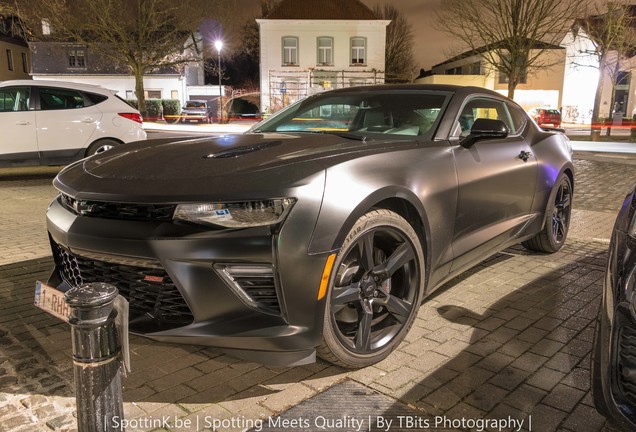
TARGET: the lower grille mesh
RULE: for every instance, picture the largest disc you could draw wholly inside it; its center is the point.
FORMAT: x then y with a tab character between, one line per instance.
149	291
627	362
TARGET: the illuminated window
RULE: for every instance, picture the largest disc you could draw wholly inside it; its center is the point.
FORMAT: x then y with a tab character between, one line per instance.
325	51
290	51
358	50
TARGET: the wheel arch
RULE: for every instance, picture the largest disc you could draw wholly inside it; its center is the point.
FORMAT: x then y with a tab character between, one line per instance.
93	143
401	201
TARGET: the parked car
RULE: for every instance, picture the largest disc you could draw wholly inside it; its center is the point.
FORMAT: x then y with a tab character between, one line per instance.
56	123
546	116
322	228
614	352
196	110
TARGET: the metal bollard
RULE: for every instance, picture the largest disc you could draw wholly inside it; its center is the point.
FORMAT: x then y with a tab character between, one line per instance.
96	347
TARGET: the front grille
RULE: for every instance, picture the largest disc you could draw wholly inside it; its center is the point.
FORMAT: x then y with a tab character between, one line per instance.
626	358
150	292
122	211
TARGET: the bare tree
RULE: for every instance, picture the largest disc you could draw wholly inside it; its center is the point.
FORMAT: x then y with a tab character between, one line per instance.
144	35
611	30
400	63
511	35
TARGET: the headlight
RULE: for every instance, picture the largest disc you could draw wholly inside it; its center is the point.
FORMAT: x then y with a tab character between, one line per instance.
236	214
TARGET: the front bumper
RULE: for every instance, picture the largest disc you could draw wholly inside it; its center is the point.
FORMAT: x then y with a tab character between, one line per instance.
614	363
173	277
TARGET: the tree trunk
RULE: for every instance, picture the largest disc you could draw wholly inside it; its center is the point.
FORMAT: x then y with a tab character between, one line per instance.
511	88
595	130
139	91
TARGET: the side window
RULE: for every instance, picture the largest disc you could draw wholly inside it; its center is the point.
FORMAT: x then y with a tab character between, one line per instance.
15	99
52	98
519	118
483	108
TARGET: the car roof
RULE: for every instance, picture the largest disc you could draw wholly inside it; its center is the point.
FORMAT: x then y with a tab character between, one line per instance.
460	90
54	83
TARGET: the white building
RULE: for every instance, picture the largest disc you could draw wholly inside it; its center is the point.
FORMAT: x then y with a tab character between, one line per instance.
311	46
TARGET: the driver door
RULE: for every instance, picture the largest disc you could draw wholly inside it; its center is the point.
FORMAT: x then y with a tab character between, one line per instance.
496	182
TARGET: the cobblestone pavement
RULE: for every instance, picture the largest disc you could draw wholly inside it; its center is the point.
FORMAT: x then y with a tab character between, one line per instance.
510	338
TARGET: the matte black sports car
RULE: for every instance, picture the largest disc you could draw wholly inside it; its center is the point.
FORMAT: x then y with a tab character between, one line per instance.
614	354
319	230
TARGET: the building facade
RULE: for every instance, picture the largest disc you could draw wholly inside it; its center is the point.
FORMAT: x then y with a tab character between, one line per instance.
86	64
15	59
309	47
542	88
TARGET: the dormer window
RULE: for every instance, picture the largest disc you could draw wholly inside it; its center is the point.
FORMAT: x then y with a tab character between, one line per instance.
358	51
76	58
290	51
325	51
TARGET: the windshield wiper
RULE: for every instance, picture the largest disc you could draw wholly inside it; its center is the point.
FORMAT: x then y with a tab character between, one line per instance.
348	135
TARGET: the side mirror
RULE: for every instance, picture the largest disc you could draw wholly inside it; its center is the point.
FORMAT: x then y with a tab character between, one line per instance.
485	129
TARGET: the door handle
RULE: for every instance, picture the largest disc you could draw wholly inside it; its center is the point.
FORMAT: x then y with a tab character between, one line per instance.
524	155
88	120
23	123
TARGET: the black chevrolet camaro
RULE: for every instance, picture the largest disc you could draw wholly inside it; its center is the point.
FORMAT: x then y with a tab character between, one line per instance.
614	353
321	229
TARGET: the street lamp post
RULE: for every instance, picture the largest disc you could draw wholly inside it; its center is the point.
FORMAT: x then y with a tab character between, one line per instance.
219	45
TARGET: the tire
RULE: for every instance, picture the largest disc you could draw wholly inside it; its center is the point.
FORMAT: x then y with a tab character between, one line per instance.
101	146
366	315
557	219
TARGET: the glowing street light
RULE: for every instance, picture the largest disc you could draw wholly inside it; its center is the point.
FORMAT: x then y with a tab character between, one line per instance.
219	45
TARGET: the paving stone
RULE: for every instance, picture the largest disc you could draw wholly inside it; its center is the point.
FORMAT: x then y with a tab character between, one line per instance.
511	336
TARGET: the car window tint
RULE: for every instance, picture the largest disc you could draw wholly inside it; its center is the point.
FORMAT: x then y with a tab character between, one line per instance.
15	98
95	98
397	114
484	108
56	99
518	117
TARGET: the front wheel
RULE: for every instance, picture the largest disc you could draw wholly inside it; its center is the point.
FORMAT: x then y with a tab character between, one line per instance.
557	219
375	293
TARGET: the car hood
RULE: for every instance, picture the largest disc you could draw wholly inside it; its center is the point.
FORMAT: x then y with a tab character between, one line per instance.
228	165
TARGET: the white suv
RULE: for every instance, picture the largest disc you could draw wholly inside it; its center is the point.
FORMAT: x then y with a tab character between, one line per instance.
56	123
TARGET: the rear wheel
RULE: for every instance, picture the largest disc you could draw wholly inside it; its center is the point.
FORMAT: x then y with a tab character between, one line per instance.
376	291
557	219
101	146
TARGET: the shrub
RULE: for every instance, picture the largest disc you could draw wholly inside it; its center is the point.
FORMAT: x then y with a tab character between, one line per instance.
171	109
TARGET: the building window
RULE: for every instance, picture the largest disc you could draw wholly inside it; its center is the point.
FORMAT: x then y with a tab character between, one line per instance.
46	27
358	50
506	64
475	68
153	94
325	51
454	71
174	94
9	60
290	51
76	58
25	63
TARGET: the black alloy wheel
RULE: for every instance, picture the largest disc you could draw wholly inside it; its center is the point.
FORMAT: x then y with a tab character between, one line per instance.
561	211
375	292
557	219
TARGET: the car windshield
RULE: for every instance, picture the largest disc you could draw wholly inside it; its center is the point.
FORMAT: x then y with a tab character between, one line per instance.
396	113
195	104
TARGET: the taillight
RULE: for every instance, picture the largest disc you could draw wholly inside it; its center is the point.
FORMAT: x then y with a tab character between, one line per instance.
132	116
